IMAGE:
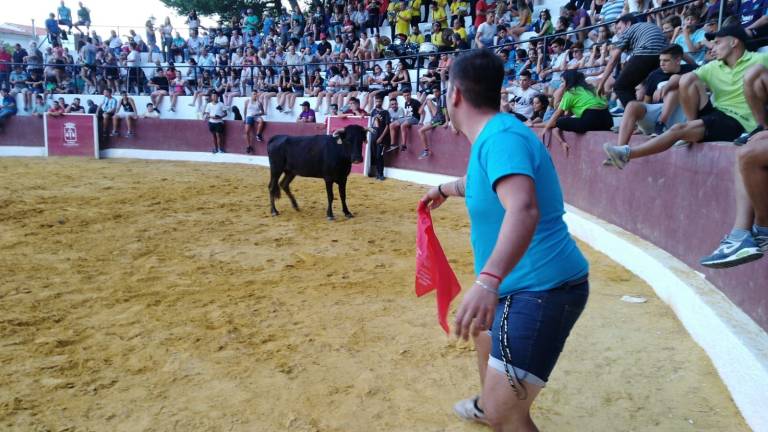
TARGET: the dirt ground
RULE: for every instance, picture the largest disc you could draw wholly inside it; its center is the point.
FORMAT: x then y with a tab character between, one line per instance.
156	296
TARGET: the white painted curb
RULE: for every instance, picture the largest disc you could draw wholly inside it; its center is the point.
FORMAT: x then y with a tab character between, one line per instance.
22	151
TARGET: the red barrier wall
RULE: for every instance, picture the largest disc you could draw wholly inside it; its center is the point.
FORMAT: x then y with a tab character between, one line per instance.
681	200
23	131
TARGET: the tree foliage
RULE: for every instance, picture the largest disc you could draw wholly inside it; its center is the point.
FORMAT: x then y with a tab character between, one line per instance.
225	9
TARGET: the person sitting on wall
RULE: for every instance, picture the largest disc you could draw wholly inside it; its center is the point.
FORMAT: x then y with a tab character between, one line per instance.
160	87
722	119
7	107
541	111
107	110
307	114
75	107
40	107
660	107
589	111
748	239
354	109
254	119
436	106
127	110
151	112
412	116
18	80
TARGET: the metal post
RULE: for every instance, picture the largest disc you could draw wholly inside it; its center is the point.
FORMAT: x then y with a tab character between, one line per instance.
720	17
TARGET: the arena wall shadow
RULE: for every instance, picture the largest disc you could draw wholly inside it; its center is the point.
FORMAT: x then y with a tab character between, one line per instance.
23	131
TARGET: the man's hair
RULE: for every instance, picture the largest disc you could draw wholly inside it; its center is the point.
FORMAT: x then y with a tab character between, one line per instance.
379	96
525	73
570	6
628	19
479	74
673	20
675	50
693	12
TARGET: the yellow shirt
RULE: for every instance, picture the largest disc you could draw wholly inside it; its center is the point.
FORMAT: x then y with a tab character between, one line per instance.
416	8
416	38
462	32
456	5
441	3
437	39
403	22
439	15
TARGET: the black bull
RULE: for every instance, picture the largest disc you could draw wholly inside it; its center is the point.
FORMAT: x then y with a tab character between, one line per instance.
321	156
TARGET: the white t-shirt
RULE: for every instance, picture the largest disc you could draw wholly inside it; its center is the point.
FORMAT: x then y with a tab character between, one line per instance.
559	62
132	58
215	109
523	100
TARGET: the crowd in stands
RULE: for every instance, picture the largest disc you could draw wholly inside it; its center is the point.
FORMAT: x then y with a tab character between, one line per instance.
567	70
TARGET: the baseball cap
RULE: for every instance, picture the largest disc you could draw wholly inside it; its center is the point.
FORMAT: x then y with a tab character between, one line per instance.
305	103
734	31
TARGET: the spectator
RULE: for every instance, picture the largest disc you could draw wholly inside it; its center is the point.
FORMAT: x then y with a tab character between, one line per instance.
151	112
558	64
56	110
541	111
543	26
8	107
411	116
439	117
459	10
254	119
660	107
404	15
522	97
307	115
54	32
214	114
75	107
160	87
40	107
125	110
690	38
748	239
579	19
722	119
646	42
107	110
83	18
65	16
166	38
354	109
486	31
588	111
18	79
5	67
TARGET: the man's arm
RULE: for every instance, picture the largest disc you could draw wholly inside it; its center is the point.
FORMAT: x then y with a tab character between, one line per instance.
615	56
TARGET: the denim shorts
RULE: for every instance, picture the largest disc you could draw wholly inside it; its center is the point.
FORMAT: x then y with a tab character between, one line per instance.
538	324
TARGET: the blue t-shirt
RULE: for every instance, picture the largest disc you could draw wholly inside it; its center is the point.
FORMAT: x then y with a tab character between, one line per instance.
507	147
65	14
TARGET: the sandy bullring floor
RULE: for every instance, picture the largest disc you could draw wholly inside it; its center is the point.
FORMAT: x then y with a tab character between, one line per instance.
154	296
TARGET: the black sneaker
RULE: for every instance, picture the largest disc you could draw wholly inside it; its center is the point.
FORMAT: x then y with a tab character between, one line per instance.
249	150
279	108
259	138
659	129
215	150
743	138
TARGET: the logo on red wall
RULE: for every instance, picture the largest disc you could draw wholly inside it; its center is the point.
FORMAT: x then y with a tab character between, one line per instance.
70	134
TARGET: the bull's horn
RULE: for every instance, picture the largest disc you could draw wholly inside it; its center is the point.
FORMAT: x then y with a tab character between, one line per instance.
338	132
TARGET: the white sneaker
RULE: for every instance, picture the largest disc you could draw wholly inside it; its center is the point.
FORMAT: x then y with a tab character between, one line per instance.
681	144
467	409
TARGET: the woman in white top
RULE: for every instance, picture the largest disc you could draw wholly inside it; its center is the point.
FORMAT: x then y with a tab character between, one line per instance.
166	38
236	41
231	88
254	116
375	82
332	86
345	84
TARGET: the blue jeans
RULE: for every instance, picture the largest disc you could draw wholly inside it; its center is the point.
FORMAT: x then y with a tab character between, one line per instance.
538	323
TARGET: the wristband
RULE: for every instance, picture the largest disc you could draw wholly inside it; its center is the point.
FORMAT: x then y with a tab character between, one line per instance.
442	194
491	275
486	287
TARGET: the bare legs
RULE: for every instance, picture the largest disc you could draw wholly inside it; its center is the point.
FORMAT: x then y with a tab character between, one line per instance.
756	93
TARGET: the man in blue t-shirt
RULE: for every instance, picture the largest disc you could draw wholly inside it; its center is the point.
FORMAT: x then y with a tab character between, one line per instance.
531	284
54	32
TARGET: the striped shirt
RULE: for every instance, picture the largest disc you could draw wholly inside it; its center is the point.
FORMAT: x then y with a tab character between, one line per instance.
612	10
642	39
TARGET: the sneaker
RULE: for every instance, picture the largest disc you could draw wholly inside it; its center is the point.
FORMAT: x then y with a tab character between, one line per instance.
391	148
615	129
616	111
403	147
761	238
680	144
259	138
658	129
733	252
114	134
221	150
743	138
279	108
618	155
467	409
425	154
215	150
249	149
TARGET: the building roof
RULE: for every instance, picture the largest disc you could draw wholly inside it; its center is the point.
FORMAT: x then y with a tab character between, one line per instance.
20	29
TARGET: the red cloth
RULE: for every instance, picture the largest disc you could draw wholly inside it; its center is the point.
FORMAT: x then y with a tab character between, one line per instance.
432	268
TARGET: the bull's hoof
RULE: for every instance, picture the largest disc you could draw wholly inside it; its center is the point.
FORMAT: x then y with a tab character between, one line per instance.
349	215
331	218
296	208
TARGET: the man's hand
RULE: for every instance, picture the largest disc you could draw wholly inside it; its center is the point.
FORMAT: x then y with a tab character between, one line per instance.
476	312
433	198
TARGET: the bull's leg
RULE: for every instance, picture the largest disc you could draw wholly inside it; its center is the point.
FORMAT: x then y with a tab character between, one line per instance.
343	196
285	184
329	192
274	191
